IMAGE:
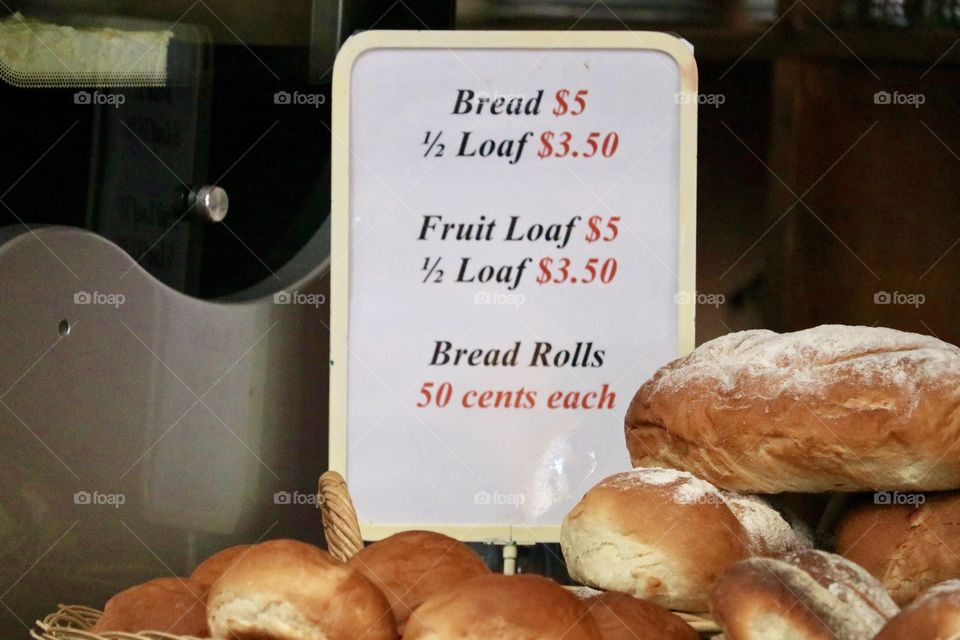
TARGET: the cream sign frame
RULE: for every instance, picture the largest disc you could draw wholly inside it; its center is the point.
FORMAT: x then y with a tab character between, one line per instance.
343	244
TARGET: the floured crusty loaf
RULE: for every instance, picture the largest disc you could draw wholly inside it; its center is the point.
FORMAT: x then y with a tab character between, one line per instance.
909	548
805	595
499	607
622	617
289	590
666	536
935	615
168	605
411	566
833	408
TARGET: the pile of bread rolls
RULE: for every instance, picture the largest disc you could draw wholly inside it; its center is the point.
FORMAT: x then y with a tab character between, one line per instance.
717	439
290	590
416	585
833	409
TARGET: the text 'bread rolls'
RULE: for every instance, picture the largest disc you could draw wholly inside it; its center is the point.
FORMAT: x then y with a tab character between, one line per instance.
833	408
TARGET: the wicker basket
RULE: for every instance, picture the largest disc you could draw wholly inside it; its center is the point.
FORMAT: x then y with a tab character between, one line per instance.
342	531
71	622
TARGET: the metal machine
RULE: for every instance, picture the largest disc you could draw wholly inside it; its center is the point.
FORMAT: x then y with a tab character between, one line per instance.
164	253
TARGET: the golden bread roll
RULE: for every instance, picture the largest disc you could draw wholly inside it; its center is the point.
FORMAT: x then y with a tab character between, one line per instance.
908	547
289	590
935	615
210	570
622	617
411	566
498	607
169	605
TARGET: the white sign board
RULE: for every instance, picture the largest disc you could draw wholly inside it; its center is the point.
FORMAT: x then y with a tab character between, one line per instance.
513	256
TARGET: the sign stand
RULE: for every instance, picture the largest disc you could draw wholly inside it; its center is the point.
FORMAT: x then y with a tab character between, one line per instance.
509	558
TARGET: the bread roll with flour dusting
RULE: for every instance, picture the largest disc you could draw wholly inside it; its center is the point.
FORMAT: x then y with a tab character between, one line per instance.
666	536
805	595
933	616
908	547
833	408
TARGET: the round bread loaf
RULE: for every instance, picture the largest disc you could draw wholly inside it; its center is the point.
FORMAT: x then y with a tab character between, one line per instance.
935	615
622	617
288	590
909	548
809	595
169	605
833	408
498	607
411	566
666	536
210	570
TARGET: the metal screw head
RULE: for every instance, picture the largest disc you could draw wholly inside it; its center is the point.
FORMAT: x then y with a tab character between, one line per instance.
211	203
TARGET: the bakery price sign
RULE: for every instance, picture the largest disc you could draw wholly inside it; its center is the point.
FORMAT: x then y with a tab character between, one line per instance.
512	256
